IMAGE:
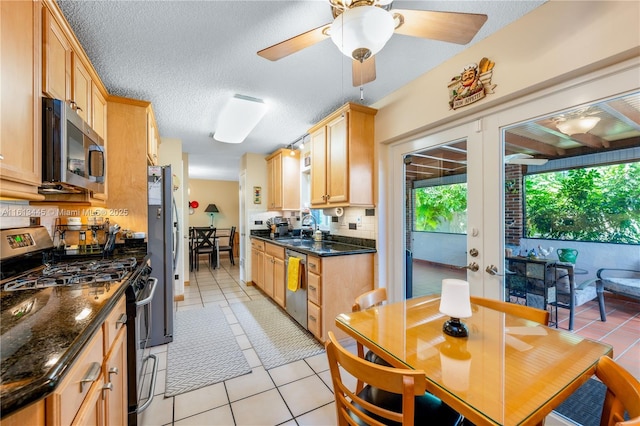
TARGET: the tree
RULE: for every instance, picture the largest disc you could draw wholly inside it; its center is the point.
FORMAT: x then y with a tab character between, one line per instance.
600	204
438	205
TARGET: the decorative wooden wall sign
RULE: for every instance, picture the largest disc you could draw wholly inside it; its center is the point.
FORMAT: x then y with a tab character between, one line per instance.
257	195
472	84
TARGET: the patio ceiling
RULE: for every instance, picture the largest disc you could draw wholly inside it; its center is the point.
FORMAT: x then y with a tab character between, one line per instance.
618	128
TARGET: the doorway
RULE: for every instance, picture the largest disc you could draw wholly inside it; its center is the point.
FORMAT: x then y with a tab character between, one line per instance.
436	213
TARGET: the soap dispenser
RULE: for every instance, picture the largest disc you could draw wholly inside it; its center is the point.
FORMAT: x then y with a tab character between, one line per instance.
317	236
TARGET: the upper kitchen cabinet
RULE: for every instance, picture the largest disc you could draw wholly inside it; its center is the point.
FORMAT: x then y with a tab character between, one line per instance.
127	159
342	158
67	73
20	134
283	180
56	58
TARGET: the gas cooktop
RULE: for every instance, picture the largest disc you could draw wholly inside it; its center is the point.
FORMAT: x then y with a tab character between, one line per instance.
90	272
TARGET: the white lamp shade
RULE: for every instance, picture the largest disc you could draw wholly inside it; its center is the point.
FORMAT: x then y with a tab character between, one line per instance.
367	27
238	117
455	301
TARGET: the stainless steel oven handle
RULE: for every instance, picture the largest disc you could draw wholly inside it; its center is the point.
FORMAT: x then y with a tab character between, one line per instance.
153	290
152	387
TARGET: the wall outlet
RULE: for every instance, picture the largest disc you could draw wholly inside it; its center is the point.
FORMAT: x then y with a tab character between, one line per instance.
359	221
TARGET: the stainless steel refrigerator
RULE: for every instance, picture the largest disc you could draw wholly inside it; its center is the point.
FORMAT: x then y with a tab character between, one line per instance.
161	245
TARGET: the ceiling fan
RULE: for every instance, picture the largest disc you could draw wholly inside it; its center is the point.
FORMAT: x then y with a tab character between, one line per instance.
525	159
361	28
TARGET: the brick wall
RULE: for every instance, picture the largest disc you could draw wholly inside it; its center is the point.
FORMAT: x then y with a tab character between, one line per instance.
513	204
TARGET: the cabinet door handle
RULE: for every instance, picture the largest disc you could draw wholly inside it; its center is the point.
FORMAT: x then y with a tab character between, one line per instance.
312	265
312	318
106	386
113	370
92	375
312	288
121	321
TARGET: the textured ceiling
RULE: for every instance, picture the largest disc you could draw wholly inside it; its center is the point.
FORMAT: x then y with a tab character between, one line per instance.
188	57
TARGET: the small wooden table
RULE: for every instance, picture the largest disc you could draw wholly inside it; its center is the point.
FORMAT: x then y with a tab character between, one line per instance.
509	371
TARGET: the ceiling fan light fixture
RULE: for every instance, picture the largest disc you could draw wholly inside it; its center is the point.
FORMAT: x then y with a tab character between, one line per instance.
238	118
362	31
576	126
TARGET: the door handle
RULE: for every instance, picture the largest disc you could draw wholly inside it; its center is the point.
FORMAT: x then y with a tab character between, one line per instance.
493	270
473	266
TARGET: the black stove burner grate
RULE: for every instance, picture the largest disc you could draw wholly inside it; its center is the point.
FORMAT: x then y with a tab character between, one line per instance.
93	273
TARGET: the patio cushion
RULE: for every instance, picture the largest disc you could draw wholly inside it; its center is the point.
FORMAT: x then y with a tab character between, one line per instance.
582	296
625	286
562	280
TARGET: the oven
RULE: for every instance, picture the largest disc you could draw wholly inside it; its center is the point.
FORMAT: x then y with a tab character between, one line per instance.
142	366
37	290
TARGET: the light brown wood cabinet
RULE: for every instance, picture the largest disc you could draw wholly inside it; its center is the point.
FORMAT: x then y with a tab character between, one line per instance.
127	127
257	262
274	273
56	54
94	391
20	85
342	156
81	87
283	180
152	138
333	284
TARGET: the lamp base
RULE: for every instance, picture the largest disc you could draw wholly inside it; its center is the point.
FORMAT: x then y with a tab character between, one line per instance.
455	328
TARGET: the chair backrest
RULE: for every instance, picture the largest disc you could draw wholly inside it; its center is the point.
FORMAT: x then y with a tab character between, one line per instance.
205	238
527	312
623	394
232	236
407	383
369	299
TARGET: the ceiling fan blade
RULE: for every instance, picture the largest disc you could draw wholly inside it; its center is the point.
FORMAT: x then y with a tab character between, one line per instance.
525	159
295	44
453	27
364	72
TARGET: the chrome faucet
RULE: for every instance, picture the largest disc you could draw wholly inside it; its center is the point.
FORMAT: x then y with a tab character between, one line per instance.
315	222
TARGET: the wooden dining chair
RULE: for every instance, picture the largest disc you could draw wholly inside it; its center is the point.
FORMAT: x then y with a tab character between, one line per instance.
229	246
527	312
623	394
393	396
205	243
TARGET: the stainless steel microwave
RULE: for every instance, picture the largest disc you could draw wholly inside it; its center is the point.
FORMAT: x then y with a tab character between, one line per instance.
73	154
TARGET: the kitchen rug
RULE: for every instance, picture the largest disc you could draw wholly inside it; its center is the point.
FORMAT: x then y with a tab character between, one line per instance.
584	406
204	351
275	336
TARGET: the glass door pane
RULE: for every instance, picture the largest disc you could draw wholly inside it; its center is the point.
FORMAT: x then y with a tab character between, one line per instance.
436	217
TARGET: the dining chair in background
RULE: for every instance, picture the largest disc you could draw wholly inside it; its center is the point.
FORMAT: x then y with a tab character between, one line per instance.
229	247
392	395
623	394
528	312
365	301
204	243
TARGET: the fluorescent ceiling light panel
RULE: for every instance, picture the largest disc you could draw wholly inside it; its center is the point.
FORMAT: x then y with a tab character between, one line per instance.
238	117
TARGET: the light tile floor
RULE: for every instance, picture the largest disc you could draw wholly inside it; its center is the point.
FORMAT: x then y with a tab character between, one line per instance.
299	393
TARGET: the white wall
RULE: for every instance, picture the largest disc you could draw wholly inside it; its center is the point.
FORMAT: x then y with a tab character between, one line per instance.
557	43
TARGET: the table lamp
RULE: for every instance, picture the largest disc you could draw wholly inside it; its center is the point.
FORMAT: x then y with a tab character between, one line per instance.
211	209
455	302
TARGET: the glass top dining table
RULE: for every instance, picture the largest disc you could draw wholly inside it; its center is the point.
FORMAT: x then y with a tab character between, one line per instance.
509	371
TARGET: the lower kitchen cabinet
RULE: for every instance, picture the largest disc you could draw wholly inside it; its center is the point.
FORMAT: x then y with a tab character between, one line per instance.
274	273
94	391
333	284
257	263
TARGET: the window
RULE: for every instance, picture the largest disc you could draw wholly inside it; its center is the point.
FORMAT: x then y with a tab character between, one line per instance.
598	204
441	208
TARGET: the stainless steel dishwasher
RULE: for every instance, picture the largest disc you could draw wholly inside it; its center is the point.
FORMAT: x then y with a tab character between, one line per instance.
296	303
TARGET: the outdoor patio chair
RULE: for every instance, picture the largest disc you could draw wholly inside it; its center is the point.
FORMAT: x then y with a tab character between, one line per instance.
571	295
625	282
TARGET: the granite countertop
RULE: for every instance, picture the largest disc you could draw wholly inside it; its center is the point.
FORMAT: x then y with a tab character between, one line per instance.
335	246
42	333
